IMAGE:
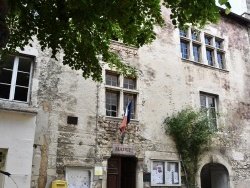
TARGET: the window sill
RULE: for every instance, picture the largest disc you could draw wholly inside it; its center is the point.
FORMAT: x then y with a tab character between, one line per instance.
21	107
119	119
204	65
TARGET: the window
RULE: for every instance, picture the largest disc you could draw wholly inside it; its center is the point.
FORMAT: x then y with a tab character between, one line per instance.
209	57
183	33
208	40
15	78
184	50
196	53
194	35
119	92
209	106
165	173
190	46
214	52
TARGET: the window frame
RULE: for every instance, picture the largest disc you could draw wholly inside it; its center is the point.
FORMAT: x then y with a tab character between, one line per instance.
216	99
14	76
165	177
121	93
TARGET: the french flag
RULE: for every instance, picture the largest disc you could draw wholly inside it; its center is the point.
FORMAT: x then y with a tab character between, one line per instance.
126	118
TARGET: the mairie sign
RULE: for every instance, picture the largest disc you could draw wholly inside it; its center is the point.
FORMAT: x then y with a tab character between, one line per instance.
123	149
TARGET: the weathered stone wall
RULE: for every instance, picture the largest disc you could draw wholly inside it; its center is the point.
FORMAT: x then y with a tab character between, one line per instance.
166	84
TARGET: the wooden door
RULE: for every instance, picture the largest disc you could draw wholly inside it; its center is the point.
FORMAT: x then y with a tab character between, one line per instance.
121	172
114	168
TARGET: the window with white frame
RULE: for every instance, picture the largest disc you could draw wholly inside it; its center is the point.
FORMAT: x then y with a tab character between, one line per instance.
214	51
192	48
190	45
209	106
15	78
119	92
165	173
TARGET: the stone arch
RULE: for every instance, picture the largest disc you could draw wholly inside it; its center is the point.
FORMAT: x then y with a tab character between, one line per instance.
211	158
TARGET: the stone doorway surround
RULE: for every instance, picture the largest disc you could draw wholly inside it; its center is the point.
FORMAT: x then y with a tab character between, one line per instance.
215	158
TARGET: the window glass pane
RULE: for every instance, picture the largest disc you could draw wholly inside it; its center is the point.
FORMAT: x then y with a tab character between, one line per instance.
220	60
196	53
7	62
126	99
22	79
211	102
24	64
208	40
209	57
183	33
184	50
5	76
21	94
4	91
218	44
194	35
129	83
112	80
111	104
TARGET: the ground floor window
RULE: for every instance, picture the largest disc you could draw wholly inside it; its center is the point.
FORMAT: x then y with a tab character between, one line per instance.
165	173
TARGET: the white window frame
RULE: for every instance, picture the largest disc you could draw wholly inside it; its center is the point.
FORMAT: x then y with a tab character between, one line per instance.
215	104
202	46
165	173
14	79
121	92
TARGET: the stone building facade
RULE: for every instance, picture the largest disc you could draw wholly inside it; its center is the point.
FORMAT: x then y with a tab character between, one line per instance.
67	128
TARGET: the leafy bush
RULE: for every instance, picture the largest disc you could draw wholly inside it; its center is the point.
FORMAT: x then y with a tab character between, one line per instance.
192	132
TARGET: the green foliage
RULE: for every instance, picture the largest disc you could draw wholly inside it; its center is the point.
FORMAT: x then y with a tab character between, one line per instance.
192	132
83	29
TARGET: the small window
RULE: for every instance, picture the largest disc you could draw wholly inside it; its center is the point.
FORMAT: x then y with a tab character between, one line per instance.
218	43
196	53
209	106
209	54
183	33
194	35
184	49
15	78
111	79
208	40
129	83
111	103
220	60
127	97
165	173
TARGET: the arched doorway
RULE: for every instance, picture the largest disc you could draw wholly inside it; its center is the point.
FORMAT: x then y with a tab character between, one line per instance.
121	172
214	175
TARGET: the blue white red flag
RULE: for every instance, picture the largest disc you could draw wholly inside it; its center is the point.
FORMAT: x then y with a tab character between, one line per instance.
126	118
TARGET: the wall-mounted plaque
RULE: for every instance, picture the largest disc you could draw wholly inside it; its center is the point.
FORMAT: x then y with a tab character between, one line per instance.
123	149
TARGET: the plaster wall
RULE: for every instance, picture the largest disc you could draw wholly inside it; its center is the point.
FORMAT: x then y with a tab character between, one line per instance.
17	137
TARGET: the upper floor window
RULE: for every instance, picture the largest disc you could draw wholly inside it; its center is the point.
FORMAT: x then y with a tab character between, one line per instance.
119	92
202	48
15	78
209	106
183	33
